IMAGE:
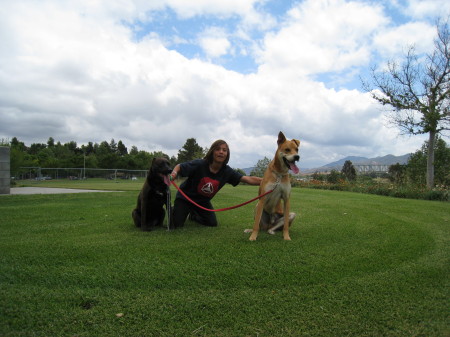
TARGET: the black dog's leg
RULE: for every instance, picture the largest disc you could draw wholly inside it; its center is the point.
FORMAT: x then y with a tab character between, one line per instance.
156	217
136	213
136	217
161	216
146	223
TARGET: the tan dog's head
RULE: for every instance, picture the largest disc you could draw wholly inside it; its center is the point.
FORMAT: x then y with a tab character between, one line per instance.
288	152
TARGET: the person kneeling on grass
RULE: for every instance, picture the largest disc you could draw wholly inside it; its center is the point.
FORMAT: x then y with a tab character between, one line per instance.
205	177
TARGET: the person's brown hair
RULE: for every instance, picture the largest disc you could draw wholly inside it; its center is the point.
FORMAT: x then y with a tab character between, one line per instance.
209	157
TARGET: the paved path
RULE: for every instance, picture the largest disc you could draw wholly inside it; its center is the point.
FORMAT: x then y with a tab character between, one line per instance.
47	190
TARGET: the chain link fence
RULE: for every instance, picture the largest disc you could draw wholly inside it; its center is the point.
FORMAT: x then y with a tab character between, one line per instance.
50	173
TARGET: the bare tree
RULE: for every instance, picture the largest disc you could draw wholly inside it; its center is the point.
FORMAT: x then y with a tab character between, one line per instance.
418	92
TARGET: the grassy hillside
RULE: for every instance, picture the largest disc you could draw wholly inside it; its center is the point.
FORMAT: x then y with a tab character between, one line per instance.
357	265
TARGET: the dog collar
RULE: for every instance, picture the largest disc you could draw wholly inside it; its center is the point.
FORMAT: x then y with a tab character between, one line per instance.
279	175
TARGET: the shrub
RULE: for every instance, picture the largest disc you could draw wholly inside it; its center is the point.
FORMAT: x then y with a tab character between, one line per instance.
379	187
441	195
333	177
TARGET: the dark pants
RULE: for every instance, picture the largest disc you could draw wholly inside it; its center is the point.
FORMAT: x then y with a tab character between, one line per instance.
182	208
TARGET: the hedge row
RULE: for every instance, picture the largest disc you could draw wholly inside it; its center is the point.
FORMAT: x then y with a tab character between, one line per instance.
380	188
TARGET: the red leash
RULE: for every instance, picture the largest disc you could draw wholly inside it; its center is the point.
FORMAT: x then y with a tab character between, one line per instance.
221	209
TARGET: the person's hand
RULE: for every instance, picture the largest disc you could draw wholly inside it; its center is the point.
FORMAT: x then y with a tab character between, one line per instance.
173	176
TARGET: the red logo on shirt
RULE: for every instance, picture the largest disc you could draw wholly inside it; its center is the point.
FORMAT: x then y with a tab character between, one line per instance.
208	187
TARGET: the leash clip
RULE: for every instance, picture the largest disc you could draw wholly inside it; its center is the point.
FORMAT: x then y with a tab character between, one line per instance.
278	178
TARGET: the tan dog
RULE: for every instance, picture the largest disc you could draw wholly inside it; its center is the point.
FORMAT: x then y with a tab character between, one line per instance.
276	178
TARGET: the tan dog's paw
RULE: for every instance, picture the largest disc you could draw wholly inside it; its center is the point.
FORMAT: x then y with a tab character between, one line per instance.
253	236
287	237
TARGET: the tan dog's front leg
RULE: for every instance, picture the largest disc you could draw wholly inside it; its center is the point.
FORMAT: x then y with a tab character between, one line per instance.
286	220
259	210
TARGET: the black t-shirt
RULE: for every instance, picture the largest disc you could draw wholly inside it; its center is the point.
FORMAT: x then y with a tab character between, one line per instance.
201	184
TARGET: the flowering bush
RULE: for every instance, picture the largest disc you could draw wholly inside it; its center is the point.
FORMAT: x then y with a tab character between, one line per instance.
379	187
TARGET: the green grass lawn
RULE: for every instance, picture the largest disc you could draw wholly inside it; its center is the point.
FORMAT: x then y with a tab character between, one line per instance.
94	184
357	265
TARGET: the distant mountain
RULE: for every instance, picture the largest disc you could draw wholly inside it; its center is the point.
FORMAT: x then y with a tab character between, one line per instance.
341	162
391	159
337	165
385	160
248	170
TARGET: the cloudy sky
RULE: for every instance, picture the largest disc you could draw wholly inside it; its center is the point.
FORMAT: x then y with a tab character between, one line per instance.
154	73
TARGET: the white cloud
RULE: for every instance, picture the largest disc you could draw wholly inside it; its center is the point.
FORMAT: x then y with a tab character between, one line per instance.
421	9
321	36
72	71
214	42
192	8
394	42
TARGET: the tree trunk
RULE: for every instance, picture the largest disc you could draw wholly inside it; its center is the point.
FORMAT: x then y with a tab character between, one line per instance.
430	159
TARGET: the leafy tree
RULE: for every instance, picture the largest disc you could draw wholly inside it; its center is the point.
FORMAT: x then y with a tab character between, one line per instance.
103	148
91	161
63	154
142	160
51	142
260	168
241	171
72	146
417	164
134	151
104	155
318	176
418	91
348	170
19	157
397	173
96	146
88	149
333	177
121	149
17	160
18	145
417	167
46	158
113	146
35	148
173	161
191	150
442	162
159	154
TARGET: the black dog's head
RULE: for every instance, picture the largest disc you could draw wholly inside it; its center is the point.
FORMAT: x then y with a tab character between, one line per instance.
160	168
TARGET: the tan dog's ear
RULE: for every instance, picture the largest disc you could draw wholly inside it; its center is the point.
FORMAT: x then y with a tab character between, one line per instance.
281	138
296	141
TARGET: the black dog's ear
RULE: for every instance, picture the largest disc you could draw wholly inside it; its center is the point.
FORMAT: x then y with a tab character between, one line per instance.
151	164
281	138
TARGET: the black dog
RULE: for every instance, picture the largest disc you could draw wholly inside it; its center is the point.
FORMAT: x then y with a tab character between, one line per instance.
149	211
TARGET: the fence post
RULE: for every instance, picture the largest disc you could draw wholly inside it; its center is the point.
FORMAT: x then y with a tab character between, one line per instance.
5	178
